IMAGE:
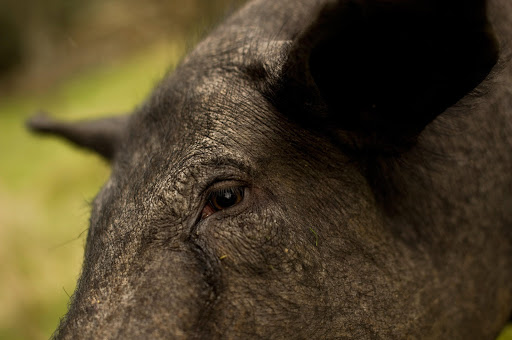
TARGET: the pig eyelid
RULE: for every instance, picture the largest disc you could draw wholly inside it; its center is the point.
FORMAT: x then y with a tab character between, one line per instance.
223	197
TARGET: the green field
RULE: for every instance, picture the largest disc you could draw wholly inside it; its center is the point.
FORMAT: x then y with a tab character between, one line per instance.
45	187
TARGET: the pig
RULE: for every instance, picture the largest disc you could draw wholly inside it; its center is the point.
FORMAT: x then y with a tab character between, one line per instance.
313	169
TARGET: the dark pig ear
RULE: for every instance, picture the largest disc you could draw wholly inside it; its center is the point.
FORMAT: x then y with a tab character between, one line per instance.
102	136
382	70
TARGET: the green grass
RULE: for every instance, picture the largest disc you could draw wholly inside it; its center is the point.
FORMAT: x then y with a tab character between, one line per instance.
45	186
506	334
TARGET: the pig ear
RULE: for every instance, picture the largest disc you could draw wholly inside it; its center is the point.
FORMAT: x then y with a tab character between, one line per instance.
102	136
382	70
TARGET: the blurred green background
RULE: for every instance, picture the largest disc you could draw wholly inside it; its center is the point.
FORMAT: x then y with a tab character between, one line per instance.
75	59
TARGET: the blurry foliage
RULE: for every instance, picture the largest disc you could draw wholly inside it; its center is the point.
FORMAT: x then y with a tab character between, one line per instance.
11	49
20	19
42	42
506	334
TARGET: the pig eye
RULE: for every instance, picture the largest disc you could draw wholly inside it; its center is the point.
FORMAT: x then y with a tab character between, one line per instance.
221	199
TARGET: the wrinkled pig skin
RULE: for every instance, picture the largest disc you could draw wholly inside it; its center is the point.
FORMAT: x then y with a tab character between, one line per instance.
311	170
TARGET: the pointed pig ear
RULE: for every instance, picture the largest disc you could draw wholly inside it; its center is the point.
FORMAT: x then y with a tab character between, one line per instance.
102	136
382	70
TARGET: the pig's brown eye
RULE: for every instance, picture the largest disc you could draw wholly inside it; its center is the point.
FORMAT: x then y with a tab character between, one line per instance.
222	199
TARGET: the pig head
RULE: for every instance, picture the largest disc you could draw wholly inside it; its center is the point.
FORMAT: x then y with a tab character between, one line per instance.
312	170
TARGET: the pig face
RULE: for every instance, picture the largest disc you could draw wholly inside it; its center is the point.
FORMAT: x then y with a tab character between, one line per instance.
292	179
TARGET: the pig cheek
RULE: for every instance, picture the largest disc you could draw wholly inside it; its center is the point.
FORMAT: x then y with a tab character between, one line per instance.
265	264
253	243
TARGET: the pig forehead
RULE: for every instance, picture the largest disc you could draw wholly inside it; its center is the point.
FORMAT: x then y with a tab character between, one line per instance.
208	115
214	88
219	106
